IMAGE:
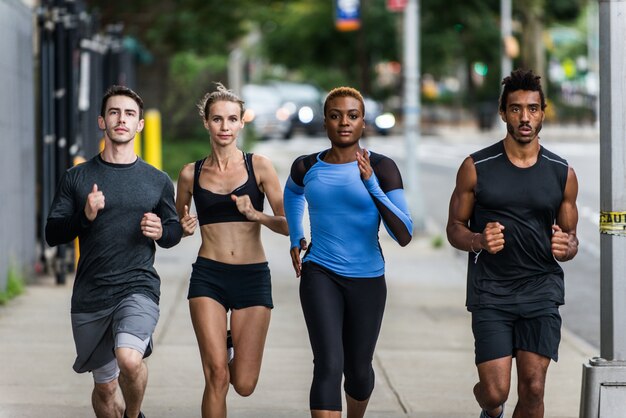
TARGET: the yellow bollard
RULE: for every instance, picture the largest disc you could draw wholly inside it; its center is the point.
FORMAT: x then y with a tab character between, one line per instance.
79	159
152	138
137	144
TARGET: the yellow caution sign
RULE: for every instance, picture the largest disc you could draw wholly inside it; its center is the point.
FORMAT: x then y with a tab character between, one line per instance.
613	223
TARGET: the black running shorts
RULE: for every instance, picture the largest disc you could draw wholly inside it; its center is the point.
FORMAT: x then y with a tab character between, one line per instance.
501	330
234	286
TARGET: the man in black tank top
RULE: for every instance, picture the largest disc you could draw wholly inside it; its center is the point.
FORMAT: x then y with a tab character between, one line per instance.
514	210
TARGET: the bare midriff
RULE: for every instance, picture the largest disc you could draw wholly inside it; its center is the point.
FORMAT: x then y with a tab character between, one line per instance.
232	243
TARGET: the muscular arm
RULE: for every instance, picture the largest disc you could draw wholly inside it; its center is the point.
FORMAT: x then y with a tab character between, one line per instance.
461	206
564	240
269	184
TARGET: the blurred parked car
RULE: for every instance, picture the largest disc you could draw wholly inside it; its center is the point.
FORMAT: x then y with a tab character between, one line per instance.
262	105
301	107
377	122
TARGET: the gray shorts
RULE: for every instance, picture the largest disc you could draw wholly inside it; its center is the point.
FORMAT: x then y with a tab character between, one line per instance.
97	334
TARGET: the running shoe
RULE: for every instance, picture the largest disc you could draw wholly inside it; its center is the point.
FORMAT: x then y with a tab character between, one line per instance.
141	415
229	346
484	414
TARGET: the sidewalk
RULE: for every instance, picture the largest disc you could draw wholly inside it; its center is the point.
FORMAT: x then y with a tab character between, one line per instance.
424	359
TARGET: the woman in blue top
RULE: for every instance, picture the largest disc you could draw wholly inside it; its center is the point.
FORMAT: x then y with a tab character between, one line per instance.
342	288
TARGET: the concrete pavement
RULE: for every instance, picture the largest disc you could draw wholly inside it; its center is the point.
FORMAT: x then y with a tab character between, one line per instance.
424	358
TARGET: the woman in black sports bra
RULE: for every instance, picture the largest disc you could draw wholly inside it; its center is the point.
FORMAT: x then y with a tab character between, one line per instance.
231	272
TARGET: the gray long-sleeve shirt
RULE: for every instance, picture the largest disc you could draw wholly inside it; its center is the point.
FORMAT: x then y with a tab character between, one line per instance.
116	259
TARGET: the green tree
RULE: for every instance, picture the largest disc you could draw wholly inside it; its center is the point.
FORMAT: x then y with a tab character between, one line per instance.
535	16
455	35
190	41
301	36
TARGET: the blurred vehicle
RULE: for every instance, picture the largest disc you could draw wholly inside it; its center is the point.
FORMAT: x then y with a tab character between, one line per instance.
377	122
262	105
301	107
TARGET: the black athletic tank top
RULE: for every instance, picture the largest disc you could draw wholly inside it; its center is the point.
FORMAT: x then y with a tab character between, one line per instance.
526	201
214	208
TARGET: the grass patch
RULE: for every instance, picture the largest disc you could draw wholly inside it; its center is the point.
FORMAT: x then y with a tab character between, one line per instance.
15	286
437	241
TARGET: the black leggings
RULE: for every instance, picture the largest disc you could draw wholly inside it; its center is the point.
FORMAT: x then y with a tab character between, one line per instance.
343	316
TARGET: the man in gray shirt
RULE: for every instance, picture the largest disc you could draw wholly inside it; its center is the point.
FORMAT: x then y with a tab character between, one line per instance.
118	206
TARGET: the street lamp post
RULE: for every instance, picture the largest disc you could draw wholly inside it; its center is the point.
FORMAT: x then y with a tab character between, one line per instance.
604	377
411	70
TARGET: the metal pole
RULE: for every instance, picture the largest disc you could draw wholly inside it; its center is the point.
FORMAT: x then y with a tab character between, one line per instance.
412	112
506	10
593	55
612	180
604	379
47	136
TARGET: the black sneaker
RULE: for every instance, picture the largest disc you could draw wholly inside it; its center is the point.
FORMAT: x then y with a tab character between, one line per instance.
230	351
141	415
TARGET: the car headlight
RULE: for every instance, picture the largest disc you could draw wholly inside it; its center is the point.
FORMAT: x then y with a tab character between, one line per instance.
248	115
282	114
385	121
305	114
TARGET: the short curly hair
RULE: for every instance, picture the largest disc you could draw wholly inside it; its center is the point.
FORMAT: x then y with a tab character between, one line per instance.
521	79
344	92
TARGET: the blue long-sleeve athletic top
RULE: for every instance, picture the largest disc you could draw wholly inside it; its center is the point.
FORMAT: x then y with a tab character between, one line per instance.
345	212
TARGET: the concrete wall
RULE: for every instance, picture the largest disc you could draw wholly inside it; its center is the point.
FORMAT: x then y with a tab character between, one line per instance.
17	140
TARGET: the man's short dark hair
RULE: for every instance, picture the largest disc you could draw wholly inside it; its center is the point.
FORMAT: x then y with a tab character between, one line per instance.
121	91
521	79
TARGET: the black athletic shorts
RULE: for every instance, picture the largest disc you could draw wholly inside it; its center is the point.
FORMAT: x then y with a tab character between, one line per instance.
234	286
501	330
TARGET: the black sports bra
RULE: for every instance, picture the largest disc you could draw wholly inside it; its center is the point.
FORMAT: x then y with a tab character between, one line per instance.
215	208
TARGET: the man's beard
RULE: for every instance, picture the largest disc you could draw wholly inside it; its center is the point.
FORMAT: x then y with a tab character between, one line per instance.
511	131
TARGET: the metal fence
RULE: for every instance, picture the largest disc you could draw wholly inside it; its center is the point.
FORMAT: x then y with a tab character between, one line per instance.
78	61
56	63
17	141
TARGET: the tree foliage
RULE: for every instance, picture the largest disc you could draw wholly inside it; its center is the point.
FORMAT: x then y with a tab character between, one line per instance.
457	34
301	35
191	39
167	26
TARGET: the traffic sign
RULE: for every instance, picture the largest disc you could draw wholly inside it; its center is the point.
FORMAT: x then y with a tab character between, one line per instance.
396	5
